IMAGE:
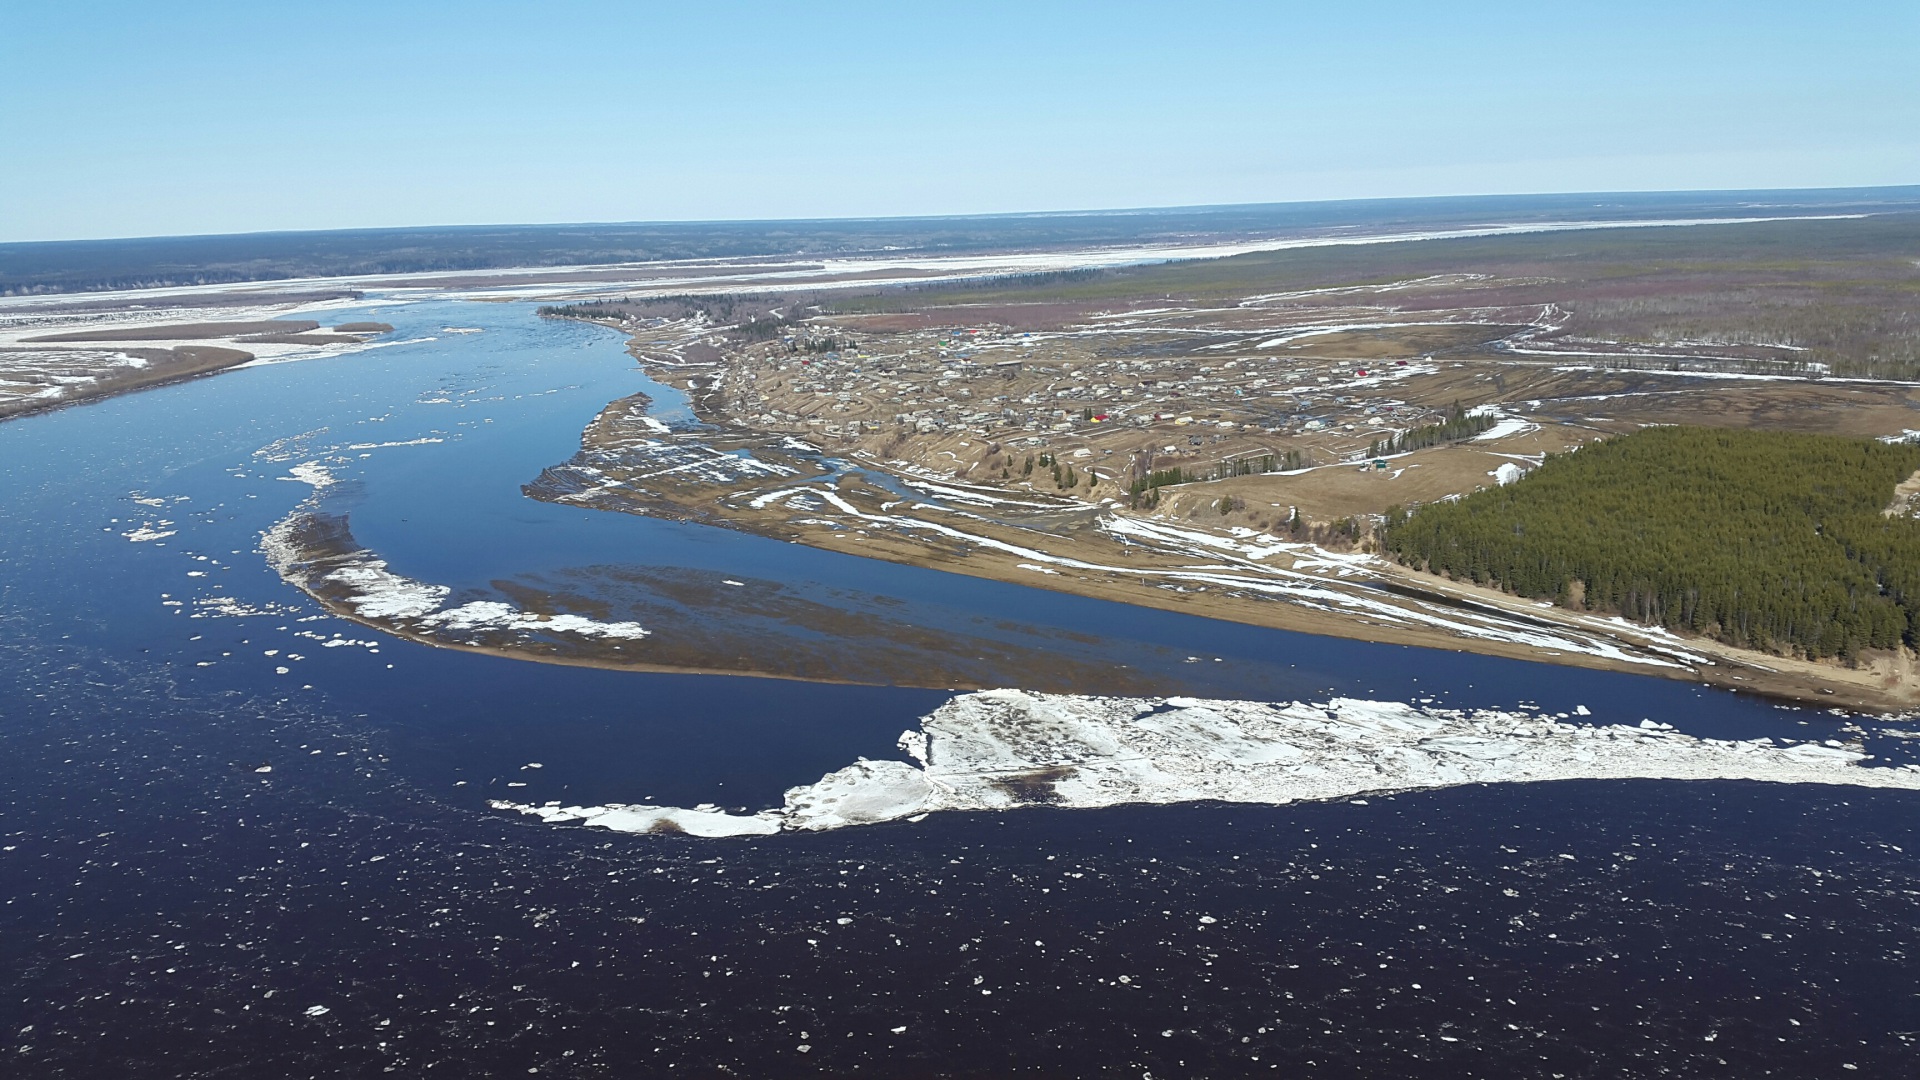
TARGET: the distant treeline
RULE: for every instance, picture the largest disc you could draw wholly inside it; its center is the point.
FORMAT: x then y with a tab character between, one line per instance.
1144	490
80	265
581	311
764	328
1032	279
1758	539
77	265
745	316
1459	424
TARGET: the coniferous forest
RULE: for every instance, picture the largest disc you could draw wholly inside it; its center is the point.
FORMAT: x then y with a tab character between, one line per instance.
1759	539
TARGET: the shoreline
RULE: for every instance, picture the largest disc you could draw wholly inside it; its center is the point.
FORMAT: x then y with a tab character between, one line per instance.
1781	679
1886	686
198	361
308	564
851	503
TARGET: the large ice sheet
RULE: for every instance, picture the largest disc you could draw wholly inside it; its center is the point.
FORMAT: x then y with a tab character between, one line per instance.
1002	749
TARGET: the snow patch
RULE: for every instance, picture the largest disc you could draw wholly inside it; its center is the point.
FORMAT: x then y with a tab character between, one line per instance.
485	614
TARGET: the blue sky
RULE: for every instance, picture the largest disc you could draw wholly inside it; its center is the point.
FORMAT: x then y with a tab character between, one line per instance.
125	119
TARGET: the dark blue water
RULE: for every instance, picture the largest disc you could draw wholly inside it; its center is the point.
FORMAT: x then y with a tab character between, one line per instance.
363	874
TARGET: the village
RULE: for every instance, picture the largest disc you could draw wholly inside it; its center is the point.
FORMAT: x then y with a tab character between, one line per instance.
1038	391
1228	460
1247	415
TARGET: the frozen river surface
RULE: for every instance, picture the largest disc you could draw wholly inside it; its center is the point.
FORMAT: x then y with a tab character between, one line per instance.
240	835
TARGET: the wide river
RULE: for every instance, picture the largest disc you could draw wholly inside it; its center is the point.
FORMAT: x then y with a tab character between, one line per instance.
239	830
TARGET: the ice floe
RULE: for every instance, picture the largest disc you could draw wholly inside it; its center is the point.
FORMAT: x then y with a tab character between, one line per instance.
312	473
423	441
221	606
650	819
1004	749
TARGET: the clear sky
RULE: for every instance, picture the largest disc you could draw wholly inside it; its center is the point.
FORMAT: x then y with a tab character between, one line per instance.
125	119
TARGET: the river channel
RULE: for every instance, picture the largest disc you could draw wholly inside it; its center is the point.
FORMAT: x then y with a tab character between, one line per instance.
227	809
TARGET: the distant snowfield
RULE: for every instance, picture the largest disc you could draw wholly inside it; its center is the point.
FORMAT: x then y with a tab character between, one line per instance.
54	372
923	269
801	272
1003	749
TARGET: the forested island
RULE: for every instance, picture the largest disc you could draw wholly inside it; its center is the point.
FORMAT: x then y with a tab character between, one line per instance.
1786	543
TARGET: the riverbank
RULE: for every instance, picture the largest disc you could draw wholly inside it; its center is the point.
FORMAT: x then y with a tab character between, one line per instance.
711	470
44	379
779	486
1108	553
60	352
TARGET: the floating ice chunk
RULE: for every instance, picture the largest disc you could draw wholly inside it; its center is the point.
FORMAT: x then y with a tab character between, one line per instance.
1002	749
864	793
1816	752
404	442
311	472
651	819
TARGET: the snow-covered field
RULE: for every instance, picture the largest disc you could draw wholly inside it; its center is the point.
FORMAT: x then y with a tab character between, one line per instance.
710	275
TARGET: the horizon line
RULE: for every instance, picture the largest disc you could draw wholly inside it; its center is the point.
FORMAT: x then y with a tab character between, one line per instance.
1141	211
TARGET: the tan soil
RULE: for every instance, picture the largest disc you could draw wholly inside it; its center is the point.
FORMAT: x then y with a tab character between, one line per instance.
166	366
185	331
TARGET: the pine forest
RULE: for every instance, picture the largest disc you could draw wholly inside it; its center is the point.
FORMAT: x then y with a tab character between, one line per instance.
1781	542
